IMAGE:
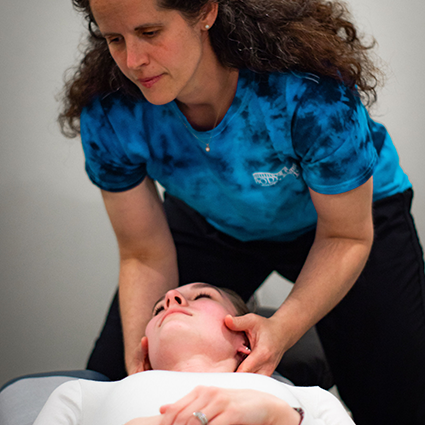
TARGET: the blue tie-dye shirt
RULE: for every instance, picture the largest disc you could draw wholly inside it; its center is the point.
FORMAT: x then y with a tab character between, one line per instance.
284	133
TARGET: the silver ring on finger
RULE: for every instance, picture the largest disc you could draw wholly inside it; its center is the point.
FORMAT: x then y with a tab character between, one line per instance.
202	418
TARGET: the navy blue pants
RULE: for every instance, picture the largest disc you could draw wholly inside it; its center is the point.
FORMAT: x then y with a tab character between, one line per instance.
374	338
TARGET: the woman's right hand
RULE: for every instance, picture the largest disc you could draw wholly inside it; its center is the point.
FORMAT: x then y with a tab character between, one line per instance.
266	340
228	406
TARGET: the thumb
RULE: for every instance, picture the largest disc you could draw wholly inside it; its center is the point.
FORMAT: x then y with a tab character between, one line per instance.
238	323
145	361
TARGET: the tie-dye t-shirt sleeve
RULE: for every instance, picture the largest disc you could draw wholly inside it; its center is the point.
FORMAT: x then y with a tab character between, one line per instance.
109	164
332	139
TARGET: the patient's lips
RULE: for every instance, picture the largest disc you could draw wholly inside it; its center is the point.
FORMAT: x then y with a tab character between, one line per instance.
174	310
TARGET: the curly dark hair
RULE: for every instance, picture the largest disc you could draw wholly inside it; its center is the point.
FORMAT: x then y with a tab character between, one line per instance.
262	35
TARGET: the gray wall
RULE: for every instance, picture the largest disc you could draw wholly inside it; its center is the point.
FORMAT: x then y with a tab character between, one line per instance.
58	255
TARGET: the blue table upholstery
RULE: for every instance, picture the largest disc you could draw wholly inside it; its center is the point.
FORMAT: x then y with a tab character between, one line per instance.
22	398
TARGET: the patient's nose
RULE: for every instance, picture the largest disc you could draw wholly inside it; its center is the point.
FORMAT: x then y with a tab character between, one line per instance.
174	297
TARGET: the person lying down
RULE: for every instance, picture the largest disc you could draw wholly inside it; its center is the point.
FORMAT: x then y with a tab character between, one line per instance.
190	357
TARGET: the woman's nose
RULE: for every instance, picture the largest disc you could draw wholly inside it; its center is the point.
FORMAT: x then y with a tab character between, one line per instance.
136	54
174	297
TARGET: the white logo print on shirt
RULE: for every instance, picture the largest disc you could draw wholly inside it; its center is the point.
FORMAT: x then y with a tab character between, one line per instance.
270	179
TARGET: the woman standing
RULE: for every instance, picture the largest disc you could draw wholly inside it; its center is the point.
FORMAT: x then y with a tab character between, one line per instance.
250	114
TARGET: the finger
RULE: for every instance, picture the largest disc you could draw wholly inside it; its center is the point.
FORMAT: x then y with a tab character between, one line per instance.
254	362
239	323
247	367
173	412
208	400
210	413
223	407
169	412
211	404
164	408
188	415
145	363
250	365
254	368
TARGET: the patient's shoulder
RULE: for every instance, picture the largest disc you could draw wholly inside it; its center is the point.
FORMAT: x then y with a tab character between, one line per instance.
64	406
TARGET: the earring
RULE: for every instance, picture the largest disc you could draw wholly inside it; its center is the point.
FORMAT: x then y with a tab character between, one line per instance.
207	27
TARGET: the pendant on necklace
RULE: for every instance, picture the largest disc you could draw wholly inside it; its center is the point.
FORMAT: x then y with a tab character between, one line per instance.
207	148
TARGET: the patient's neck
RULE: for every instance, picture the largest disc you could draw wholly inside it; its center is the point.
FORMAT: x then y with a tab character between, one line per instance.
198	363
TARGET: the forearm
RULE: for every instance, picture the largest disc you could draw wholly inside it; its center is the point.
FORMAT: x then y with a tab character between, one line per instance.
331	269
141	285
148	260
344	235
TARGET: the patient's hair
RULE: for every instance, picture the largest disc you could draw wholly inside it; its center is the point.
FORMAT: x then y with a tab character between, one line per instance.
236	300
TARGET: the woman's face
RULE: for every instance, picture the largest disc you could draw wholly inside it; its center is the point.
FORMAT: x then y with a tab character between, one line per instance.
157	49
191	319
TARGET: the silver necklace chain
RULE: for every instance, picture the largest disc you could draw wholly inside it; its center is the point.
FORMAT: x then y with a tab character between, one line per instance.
189	128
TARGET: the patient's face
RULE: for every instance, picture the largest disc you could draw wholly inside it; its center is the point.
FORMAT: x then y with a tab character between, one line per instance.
191	319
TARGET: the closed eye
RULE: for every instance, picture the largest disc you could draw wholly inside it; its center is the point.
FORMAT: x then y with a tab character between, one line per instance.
202	295
158	309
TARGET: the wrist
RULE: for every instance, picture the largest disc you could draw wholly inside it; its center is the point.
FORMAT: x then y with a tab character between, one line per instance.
289	415
288	327
132	362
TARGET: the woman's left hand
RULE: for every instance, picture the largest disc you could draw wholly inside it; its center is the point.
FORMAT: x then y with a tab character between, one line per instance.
228	406
150	420
266	341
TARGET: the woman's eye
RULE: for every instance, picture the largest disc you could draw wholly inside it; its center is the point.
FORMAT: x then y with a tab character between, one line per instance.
202	296
158	309
150	34
113	40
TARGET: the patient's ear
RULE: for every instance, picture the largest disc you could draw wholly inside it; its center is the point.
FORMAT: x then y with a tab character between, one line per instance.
243	348
145	354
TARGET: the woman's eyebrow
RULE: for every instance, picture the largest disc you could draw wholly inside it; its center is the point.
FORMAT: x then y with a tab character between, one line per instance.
148	25
137	29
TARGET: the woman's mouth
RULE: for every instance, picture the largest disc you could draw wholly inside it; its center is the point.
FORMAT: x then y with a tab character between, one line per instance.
149	82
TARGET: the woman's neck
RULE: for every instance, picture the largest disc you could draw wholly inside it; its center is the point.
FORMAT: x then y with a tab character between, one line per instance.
207	108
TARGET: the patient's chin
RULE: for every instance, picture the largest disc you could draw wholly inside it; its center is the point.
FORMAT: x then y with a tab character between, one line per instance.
179	338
